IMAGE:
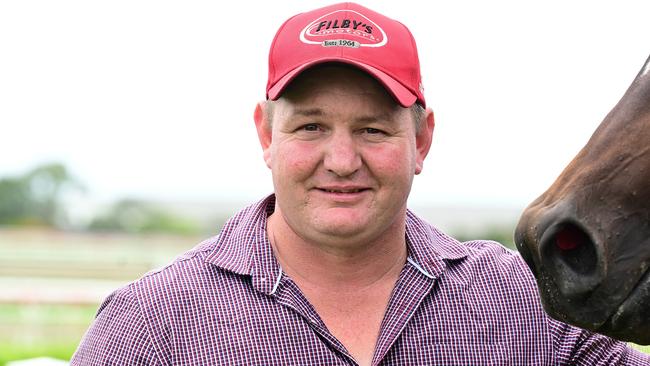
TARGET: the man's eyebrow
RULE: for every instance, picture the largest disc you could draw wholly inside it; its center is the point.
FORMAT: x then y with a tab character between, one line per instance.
310	112
386	117
317	112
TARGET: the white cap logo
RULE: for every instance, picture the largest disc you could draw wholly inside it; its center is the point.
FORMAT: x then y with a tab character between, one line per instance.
360	31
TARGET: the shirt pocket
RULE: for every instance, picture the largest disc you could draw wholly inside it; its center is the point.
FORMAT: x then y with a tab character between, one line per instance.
464	354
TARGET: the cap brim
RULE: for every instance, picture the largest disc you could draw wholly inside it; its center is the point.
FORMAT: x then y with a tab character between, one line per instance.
401	94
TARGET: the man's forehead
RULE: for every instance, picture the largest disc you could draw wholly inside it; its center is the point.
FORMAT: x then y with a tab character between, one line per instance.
369	116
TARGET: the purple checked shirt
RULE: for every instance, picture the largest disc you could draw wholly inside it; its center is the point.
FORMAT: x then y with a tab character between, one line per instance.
227	302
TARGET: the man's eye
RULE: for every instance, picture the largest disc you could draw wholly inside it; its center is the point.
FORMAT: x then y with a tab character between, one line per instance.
312	127
372	131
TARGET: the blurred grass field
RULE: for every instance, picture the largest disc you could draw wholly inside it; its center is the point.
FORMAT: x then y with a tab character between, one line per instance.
52	284
36	330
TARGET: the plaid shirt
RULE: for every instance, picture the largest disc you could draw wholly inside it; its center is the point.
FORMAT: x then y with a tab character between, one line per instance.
227	302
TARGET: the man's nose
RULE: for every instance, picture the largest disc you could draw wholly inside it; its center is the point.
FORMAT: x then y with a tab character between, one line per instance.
341	155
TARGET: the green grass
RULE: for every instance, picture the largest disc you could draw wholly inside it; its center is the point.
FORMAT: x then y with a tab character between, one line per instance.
38	330
21	351
42	258
46	314
644	349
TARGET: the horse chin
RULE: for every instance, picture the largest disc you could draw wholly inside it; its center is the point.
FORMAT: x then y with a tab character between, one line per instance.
580	312
631	321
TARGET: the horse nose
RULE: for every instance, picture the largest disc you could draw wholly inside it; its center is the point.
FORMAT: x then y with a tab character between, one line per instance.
573	259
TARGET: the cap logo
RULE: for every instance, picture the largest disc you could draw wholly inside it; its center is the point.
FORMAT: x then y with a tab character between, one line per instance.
327	30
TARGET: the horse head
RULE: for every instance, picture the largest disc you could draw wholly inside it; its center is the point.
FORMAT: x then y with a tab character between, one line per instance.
587	238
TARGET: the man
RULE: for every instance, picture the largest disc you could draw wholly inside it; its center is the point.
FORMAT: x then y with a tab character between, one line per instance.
332	269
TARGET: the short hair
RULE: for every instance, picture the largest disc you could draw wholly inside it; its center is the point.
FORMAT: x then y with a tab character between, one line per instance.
419	113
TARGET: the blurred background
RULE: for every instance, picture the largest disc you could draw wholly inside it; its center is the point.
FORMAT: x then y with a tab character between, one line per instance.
126	131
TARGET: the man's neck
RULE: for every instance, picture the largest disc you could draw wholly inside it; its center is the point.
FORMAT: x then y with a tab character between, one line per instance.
353	266
348	285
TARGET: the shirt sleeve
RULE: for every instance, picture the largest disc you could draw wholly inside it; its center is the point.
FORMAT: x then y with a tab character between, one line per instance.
118	335
575	346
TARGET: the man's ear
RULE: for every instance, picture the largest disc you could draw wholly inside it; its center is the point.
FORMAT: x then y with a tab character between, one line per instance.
423	139
264	130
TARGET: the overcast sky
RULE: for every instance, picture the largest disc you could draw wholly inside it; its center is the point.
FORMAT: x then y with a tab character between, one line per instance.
155	98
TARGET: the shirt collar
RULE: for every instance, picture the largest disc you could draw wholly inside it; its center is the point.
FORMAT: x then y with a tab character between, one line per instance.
243	246
429	248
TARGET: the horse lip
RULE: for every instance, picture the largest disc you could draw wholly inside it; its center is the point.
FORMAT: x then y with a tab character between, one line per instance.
632	306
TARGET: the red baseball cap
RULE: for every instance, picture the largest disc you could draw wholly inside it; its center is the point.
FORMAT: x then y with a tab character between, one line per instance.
352	34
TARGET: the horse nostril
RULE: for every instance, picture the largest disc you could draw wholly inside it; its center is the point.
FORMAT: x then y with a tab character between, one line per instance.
571	255
570	238
575	249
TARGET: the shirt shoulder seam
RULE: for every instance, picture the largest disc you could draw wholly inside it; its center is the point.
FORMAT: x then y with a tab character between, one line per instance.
132	289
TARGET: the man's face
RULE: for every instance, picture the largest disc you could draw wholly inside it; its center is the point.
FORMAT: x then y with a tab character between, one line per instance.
343	155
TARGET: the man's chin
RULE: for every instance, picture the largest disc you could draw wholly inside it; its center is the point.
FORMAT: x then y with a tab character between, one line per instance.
343	230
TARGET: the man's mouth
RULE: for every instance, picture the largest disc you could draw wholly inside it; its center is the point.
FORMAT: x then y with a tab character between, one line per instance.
355	190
